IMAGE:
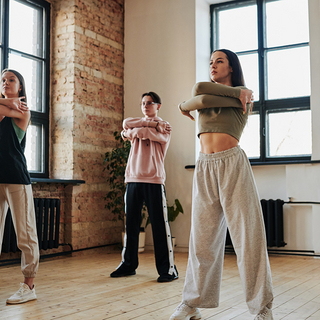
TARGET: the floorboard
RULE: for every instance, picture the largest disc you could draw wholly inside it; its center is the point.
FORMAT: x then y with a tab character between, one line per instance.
79	287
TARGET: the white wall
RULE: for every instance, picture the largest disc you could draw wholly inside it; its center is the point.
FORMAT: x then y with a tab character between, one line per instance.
301	183
160	56
314	17
167	50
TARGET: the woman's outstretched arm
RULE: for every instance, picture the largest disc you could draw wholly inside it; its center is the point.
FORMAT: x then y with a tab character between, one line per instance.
242	93
216	89
205	101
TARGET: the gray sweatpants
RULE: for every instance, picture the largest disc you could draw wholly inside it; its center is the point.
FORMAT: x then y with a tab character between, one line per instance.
225	195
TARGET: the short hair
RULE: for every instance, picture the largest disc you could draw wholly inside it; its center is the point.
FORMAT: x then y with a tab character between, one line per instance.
22	92
237	74
155	98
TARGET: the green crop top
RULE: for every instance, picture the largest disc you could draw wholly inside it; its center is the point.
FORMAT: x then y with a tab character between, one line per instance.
19	132
219	107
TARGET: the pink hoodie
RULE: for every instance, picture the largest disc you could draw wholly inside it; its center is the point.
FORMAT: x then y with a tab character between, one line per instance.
148	150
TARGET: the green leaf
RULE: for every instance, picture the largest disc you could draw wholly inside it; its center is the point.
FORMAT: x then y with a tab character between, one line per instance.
115	161
179	206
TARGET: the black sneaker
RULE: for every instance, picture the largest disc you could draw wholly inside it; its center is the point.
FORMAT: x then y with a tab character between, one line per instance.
122	272
167	278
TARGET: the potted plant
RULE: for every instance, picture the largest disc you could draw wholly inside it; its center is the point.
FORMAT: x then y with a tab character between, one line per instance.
144	223
116	161
173	212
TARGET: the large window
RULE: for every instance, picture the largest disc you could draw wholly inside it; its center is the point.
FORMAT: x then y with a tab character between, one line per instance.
271	38
24	46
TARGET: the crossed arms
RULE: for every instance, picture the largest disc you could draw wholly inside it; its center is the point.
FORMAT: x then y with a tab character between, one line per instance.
158	131
16	109
209	94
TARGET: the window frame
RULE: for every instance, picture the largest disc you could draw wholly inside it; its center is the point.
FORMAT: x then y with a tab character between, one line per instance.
37	117
263	106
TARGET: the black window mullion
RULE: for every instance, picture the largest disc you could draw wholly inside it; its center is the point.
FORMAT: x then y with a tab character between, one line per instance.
46	78
213	29
263	133
46	85
27	55
289	46
5	33
290	104
262	78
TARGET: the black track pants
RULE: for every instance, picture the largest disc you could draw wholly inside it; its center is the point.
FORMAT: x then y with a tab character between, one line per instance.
154	197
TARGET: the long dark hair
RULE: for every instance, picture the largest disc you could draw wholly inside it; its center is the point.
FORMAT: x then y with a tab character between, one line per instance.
155	98
22	92
237	74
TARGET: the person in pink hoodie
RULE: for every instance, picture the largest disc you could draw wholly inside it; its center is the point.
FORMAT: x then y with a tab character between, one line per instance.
145	177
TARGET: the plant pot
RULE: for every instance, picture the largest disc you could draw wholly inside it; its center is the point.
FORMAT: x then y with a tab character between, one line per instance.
173	242
142	240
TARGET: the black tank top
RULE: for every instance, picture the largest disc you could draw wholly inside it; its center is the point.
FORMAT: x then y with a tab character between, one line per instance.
13	165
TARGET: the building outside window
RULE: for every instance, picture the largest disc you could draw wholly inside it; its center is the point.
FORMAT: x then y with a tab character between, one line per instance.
25	48
271	38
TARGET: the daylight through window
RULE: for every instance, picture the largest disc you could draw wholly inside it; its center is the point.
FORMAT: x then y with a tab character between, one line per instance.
270	45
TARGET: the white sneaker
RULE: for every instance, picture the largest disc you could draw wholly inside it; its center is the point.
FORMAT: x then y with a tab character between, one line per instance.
184	312
264	314
24	294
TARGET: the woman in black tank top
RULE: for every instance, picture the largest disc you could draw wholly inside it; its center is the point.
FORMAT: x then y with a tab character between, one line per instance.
15	185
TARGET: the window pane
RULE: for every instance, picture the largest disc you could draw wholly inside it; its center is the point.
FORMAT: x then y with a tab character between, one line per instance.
287	22
288	73
235	33
250	139
289	133
249	64
34	148
31	70
26	38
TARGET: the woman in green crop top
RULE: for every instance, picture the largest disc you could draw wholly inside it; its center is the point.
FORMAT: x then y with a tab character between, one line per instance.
224	196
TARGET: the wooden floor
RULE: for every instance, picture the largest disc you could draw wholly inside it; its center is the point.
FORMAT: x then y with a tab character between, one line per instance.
79	287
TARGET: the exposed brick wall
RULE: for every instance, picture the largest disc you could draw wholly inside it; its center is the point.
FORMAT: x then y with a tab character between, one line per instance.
87	107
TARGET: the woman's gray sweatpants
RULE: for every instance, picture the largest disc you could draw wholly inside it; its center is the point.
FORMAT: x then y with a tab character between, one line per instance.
225	195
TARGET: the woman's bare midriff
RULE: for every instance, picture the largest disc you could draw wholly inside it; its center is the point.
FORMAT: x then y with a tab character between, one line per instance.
212	142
